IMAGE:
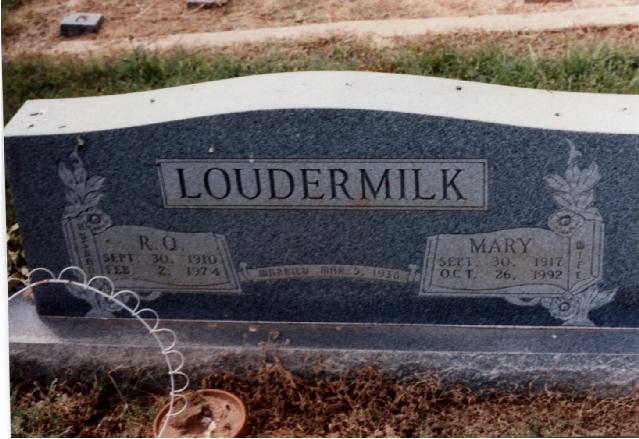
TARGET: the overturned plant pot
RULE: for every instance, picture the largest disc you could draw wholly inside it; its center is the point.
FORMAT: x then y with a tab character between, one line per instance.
208	413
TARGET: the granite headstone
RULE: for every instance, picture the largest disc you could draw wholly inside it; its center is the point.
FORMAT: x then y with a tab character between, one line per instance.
337	197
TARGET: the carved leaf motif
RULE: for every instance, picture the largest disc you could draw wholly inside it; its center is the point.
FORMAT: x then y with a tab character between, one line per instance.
94	184
563	200
80	175
589	177
572	175
73	210
584	200
92	199
66	175
76	158
557	183
602	297
72	197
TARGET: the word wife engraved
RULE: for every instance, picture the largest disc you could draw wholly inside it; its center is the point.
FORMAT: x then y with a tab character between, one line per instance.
423	184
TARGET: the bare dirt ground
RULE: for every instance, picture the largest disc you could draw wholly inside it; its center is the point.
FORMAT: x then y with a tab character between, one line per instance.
359	403
34	25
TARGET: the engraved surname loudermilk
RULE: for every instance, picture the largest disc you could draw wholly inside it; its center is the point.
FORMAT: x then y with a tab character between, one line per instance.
559	267
136	257
422	184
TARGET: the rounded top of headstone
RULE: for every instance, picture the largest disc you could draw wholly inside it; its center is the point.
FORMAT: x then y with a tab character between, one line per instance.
588	112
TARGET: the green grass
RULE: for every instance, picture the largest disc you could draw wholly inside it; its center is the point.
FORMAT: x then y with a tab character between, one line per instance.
60	411
10	5
113	403
592	66
602	67
43	416
361	402
606	67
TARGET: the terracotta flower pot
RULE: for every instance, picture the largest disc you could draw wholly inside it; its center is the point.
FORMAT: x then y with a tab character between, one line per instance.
212	412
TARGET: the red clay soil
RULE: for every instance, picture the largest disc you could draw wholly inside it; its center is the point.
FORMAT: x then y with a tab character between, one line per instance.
34	25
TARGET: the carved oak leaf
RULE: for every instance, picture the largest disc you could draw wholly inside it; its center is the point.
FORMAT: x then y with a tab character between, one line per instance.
73	210
557	183
94	184
572	175
584	200
602	297
76	158
80	175
563	200
574	154
66	175
72	197
589	178
92	199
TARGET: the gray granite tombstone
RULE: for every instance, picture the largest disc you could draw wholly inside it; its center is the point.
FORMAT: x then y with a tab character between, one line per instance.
400	206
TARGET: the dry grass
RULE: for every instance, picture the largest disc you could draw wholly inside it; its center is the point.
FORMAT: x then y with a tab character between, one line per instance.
593	60
370	404
365	402
33	24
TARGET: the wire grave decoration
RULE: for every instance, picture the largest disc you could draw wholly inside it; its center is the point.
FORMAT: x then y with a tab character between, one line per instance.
123	300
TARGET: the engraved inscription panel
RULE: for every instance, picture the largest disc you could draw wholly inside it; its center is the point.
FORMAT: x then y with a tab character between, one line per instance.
144	258
524	261
329	271
423	184
559	268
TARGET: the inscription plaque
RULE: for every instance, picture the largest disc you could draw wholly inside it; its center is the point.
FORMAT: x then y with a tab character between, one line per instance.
134	257
315	184
518	261
527	261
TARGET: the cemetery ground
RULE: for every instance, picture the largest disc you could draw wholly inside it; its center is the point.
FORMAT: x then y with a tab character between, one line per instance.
361	402
588	60
32	26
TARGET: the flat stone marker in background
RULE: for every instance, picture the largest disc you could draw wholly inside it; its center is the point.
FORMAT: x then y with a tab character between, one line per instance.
381	204
205	3
78	23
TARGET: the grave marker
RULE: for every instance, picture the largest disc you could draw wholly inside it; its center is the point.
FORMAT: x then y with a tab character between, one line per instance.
205	4
473	227
322	210
78	23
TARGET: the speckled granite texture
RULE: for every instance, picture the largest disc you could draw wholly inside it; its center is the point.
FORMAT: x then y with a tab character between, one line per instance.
605	361
517	158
